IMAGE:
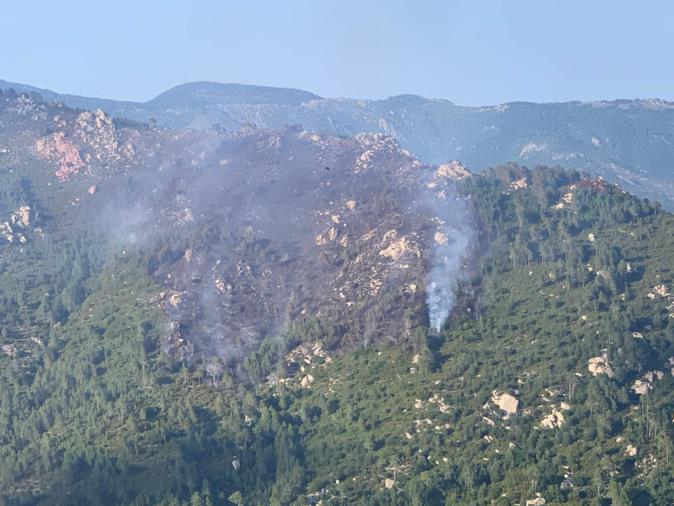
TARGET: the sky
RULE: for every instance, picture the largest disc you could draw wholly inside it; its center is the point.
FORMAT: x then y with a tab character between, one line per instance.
471	52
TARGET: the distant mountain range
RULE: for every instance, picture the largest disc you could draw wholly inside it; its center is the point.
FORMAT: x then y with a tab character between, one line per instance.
630	142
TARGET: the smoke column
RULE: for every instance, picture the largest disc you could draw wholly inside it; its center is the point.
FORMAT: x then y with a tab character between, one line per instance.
451	246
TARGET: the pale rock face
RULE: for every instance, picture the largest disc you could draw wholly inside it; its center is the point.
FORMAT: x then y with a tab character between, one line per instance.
641	387
591	237
659	291
505	402
326	237
553	420
93	137
373	144
351	205
175	298
98	132
221	285
566	200
630	451
398	248
389	483
6	232
520	184
600	365
21	217
539	500
440	238
307	381
644	384
12	230
62	150
453	170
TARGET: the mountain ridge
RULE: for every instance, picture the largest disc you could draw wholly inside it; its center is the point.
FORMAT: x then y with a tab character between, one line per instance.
629	142
52	95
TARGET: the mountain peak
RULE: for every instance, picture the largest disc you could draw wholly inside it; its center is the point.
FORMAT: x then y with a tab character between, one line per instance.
208	92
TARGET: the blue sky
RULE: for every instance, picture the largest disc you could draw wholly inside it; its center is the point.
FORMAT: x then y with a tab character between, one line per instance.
470	52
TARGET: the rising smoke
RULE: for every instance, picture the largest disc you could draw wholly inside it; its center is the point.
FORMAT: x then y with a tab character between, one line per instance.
451	247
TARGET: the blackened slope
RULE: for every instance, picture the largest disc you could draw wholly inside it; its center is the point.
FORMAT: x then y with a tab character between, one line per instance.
245	232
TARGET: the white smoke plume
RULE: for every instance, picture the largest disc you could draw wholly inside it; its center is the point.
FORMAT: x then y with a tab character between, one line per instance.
451	248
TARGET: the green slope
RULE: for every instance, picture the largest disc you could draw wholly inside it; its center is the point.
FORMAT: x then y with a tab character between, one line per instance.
94	413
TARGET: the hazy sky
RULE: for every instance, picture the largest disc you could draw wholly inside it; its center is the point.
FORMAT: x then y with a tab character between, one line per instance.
471	52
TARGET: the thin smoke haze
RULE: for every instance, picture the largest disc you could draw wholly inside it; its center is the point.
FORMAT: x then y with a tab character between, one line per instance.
451	247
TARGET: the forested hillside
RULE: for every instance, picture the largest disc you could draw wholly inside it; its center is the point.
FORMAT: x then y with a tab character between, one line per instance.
131	373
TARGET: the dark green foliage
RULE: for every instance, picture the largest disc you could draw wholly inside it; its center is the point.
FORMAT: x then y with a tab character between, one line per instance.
94	412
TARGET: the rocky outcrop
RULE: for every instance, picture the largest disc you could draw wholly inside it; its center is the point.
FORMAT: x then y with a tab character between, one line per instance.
91	138
6	232
440	238
375	146
15	228
98	133
599	365
307	381
659	291
567	199
519	184
397	248
644	384
21	217
453	170
505	401
553	420
539	500
64	152
326	237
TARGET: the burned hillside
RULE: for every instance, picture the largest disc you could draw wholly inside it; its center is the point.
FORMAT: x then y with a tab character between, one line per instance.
279	227
250	231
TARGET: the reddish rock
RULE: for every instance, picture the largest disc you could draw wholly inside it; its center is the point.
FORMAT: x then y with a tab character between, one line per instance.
62	150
